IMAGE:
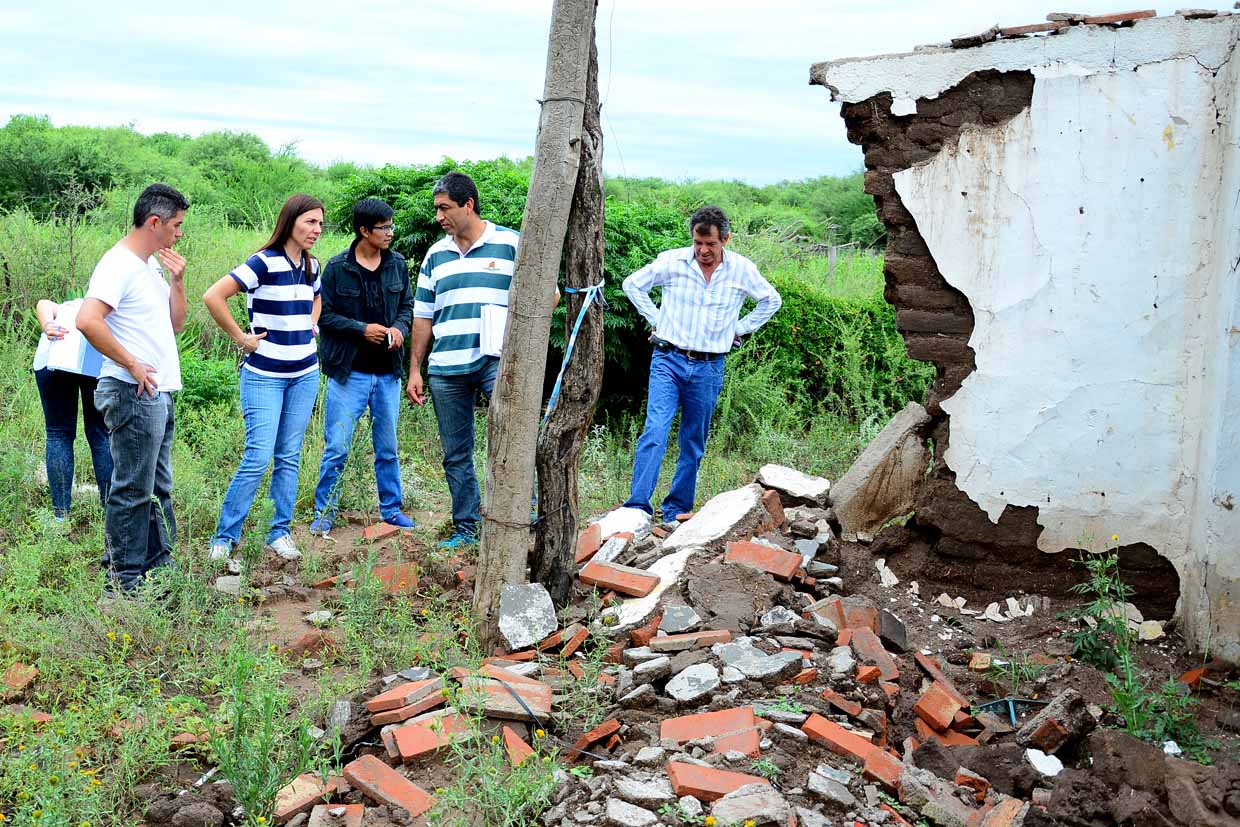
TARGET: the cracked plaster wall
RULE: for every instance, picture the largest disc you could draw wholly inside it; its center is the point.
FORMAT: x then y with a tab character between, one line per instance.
1095	237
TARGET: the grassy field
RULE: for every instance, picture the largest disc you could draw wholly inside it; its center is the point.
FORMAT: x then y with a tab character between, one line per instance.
120	684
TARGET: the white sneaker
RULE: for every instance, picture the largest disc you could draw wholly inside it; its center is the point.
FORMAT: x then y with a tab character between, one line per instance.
219	551
285	547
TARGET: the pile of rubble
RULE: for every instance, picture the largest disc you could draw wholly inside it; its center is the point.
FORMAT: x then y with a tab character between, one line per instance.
747	686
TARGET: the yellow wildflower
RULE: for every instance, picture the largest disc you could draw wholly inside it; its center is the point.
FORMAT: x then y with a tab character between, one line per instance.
126	638
749	822
111	635
538	733
710	821
1114	538
494	739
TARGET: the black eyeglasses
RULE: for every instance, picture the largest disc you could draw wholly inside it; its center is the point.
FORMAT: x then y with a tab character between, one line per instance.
384	228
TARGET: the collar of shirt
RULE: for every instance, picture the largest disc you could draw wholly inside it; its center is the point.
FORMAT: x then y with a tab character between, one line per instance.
686	255
487	231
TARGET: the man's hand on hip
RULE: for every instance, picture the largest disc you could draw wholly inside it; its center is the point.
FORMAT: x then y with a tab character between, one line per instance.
144	375
376	334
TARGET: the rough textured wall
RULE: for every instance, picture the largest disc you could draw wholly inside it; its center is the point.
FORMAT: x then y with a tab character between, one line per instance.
1063	243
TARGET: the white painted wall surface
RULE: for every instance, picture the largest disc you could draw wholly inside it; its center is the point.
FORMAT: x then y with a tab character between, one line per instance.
1096	239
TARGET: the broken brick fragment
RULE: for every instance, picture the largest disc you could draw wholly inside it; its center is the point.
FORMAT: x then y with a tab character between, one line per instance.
1119	17
1192	678
404	713
931	667
300	795
868	674
837	739
311	643
1005	814
379	531
642	634
417	740
891	690
775	561
870	649
689	640
841	703
404	694
515	747
400	578
1034	28
707	783
937	707
588	543
385	785
747	741
805	676
603	730
574	643
967	778
774	507
18	677
707	724
895	817
1050	736
950	738
884	768
623	579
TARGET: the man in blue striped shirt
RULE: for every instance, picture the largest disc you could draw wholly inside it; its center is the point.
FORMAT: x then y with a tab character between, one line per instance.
696	324
468	269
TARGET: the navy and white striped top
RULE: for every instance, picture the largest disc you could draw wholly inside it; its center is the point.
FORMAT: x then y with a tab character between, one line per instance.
280	302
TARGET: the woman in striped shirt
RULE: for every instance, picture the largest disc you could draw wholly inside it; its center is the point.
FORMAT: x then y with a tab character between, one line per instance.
280	374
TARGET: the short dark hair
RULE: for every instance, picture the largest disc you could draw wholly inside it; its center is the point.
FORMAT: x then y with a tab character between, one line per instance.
707	217
368	212
460	188
158	199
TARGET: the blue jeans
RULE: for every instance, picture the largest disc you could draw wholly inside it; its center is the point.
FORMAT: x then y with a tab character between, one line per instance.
692	386
277	411
59	391
454	398
139	526
345	404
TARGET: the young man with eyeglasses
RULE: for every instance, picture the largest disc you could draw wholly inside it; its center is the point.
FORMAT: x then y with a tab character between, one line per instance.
366	317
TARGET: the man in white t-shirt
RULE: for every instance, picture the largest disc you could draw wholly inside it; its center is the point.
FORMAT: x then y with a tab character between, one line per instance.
132	315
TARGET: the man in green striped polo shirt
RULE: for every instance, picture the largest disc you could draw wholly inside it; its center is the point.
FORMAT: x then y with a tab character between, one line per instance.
467	270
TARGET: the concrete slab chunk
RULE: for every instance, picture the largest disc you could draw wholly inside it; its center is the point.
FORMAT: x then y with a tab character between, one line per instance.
526	614
724	516
883	481
797	485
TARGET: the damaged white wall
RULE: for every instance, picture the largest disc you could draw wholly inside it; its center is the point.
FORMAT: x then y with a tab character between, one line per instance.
1096	237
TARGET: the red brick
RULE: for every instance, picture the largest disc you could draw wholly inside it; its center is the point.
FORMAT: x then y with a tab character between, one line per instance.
184	740
300	795
896	818
774	506
1004	814
497	701
748	741
499	673
1192	678
841	703
660	532
614	653
642	634
624	579
574	643
401	578
576	669
805	676
892	690
18	677
689	640
404	713
325	583
963	721
686	517
404	694
612	743
379	531
844	638
389	742
707	783
782	564
1119	17
837	739
511	658
588	544
950	738
1050	736
386	786
931	667
937	707
516	747
884	768
321	816
416	740
980	786
311	643
870	650
603	730
868	674
556	638
1034	28
707	724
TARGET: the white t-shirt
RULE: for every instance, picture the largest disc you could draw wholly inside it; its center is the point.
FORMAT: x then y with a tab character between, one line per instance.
141	319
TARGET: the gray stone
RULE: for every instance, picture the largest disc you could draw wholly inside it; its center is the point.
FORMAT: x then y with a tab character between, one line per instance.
693	683
841	661
624	814
611	551
812	818
690	806
830	790
891	631
779	620
883	482
791	732
652	670
1197	14
815	568
759	802
228	584
835	773
612	766
946	810
638	654
781	716
803	529
918	786
649	756
320	618
1067	17
678	620
968	41
338	716
642	697
741	654
526	614
795	484
792	642
645	793
199	814
724	516
730	674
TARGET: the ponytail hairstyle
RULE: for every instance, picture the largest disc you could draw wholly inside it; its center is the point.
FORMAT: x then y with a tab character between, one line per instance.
293	209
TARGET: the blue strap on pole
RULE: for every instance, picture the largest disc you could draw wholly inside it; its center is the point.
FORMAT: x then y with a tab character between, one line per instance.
592	293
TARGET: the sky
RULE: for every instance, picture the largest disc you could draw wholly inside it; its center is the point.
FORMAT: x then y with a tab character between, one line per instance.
691	90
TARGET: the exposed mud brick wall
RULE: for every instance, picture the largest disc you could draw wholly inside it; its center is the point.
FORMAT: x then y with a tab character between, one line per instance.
936	321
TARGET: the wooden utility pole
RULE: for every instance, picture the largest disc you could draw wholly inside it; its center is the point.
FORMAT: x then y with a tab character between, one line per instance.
512	426
564	435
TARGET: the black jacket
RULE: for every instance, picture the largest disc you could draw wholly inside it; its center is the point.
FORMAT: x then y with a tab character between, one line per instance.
340	328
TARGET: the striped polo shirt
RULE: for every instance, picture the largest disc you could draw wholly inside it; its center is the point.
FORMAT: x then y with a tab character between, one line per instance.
280	302
453	287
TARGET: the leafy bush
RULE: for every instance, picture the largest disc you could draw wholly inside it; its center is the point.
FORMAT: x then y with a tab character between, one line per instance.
207	381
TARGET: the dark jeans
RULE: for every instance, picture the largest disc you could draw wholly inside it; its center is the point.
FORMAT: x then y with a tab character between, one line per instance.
454	398
59	391
691	386
139	526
